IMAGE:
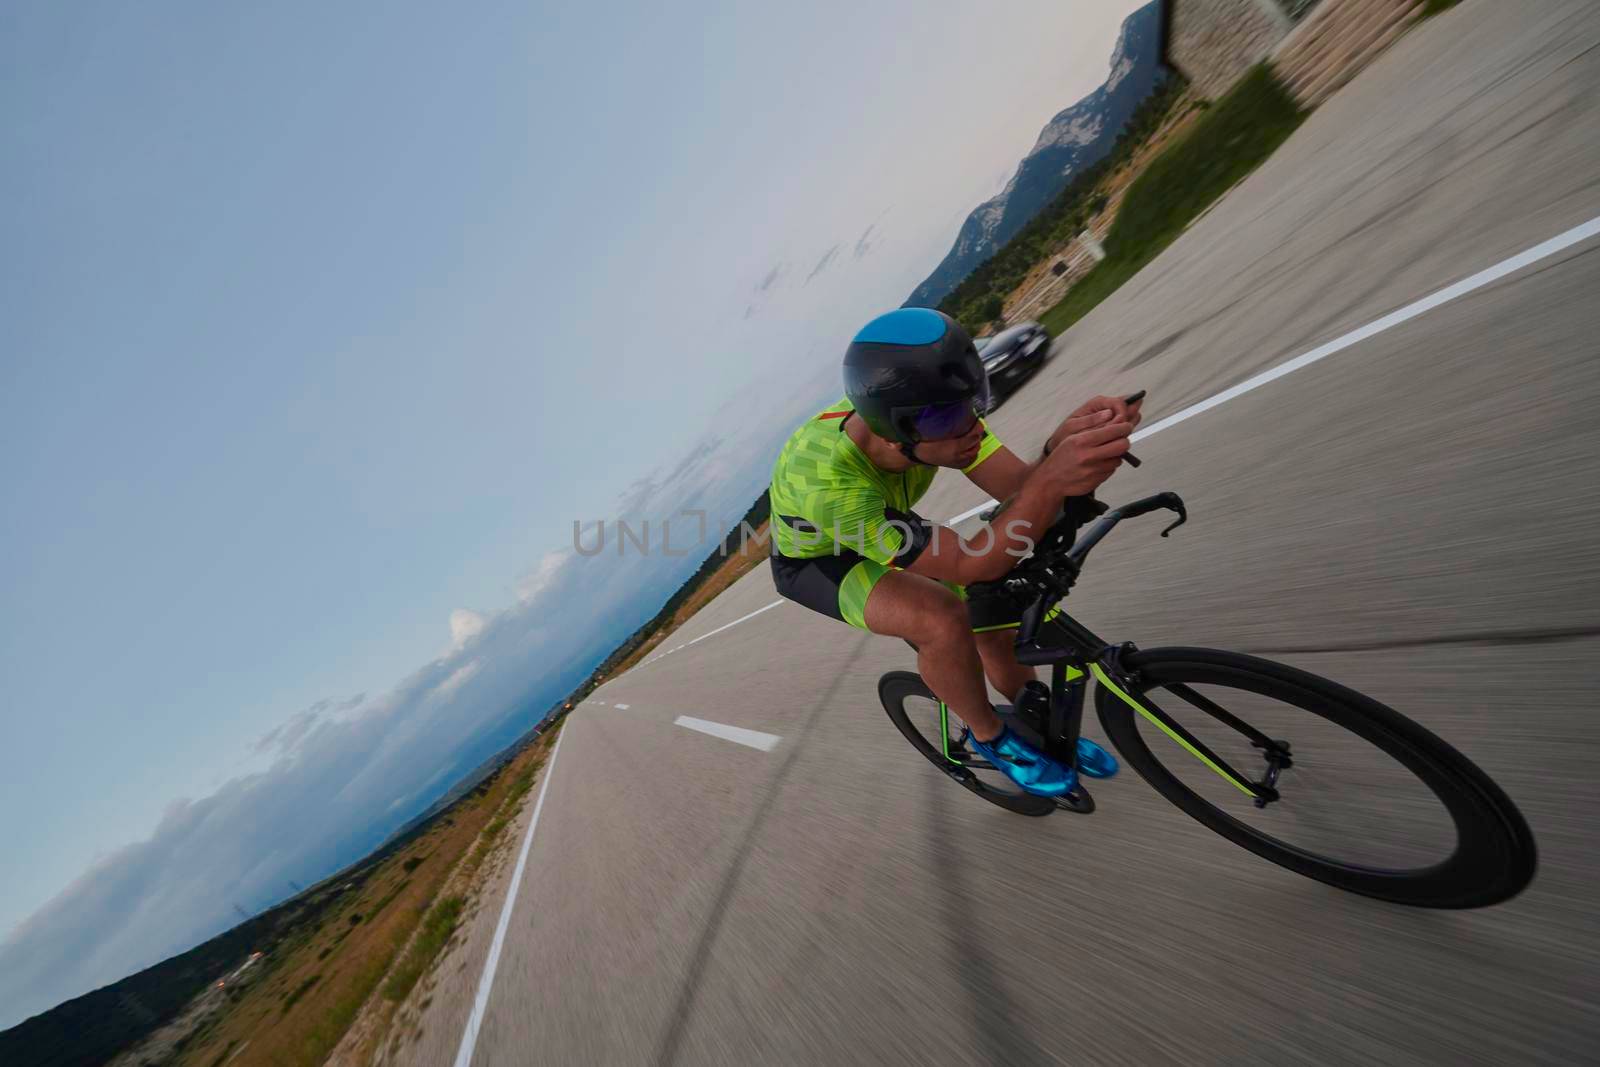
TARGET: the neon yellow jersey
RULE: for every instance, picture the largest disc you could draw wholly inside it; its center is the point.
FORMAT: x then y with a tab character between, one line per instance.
827	496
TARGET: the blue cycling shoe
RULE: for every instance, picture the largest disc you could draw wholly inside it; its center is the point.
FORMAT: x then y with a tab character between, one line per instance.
1095	761
1027	766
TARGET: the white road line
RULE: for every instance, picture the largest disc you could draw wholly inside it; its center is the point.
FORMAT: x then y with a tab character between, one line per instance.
725	626
624	707
738	735
1543	250
469	1038
713	633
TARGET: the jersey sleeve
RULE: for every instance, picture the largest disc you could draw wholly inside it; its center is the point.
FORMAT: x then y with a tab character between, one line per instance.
988	447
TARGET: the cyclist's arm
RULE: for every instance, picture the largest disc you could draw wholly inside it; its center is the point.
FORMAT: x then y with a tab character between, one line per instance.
994	550
1001	474
1079	463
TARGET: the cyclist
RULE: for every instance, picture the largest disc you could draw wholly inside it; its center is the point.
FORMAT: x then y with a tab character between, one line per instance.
846	542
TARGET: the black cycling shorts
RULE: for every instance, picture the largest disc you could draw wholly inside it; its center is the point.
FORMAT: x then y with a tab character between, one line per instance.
838	585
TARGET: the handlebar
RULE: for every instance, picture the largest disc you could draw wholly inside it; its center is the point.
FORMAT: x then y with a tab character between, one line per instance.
1051	571
1161	501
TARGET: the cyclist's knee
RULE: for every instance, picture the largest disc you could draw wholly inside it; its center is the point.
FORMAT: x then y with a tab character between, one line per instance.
945	621
922	612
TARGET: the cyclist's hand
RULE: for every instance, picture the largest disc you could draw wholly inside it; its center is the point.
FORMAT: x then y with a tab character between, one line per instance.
1088	453
1119	408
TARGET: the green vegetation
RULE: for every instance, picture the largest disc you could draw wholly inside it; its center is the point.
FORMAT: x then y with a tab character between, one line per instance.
523	783
1434	7
389	896
503	816
326	1030
300	990
94	1027
292	1007
1230	140
437	928
978	299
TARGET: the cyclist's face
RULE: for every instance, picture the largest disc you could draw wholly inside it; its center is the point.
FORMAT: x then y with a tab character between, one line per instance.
957	452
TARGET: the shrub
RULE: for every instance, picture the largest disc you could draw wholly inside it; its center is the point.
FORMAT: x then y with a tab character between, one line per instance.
1230	140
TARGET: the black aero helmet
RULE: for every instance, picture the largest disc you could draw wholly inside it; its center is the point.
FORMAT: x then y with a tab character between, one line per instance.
914	375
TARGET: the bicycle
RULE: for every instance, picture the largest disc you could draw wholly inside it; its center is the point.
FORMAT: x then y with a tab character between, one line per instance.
1303	728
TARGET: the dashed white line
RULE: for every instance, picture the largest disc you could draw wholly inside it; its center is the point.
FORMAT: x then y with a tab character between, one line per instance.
480	1003
623	707
736	734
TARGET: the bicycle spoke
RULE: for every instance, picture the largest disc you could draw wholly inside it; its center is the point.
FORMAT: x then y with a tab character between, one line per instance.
1217	711
1336	795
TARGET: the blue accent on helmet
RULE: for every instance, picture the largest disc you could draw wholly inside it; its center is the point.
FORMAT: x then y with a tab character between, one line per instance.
904	326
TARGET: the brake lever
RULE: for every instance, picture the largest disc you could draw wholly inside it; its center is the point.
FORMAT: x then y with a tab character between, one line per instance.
1176	504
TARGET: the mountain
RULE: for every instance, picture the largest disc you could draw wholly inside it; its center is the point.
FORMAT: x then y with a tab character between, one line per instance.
1076	138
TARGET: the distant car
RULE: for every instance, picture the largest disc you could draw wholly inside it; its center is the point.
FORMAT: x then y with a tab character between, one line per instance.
1011	356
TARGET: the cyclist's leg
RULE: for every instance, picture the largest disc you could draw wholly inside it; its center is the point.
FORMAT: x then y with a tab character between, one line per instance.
934	619
928	614
994	616
998	650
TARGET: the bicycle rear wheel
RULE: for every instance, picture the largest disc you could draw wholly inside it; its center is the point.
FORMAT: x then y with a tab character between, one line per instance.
936	733
1368	801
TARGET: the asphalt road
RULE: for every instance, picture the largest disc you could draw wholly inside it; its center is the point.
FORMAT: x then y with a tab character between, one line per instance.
1415	516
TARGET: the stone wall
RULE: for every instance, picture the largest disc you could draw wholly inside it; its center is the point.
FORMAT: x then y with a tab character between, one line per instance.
1336	41
1213	42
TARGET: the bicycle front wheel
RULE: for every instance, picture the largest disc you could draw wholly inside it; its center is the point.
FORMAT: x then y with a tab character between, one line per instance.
1336	786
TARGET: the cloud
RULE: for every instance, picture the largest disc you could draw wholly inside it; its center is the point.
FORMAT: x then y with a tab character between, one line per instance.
345	773
327	798
465	624
457	679
544	573
823	263
287	735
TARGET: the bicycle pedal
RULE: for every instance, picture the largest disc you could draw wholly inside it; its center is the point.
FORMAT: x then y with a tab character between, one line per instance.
1079	802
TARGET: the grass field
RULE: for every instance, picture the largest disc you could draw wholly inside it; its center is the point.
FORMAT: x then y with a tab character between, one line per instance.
1233	137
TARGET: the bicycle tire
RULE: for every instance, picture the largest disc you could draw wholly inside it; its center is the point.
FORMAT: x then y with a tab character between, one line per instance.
1494	857
894	688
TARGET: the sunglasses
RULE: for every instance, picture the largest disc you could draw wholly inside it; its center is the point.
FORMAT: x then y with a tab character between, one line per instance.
938	422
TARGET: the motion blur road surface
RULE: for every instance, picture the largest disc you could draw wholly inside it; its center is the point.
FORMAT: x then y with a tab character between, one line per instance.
1415	516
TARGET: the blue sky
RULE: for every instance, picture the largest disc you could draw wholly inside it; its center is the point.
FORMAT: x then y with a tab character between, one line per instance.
321	324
